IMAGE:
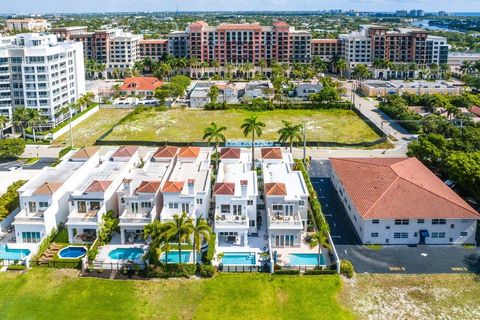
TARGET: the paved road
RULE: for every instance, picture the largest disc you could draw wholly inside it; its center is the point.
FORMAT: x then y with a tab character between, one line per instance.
40	164
387	259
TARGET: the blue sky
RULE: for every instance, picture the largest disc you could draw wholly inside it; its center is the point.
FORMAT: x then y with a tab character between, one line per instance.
41	6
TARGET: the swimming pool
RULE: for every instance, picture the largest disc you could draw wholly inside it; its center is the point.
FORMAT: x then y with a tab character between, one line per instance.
7	253
72	252
173	257
126	254
239	258
305	259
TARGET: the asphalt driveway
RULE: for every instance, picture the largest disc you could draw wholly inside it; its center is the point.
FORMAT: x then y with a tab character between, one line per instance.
385	259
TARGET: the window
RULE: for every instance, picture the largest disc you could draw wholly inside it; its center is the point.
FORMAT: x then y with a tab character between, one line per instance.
452	226
374	235
225	208
43	204
463	234
301	203
402	222
277	207
249	202
186	207
421	221
436	235
146	205
134	206
439	221
375	221
252	223
94	205
400	235
465	220
172	205
199	201
82	207
32	207
31	237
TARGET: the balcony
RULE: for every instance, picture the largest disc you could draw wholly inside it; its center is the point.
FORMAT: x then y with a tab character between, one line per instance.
279	220
230	220
25	216
91	216
128	217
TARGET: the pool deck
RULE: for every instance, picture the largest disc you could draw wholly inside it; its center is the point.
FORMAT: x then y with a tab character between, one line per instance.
102	256
282	253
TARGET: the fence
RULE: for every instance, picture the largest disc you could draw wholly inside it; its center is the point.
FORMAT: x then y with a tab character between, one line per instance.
243	269
119	265
77	264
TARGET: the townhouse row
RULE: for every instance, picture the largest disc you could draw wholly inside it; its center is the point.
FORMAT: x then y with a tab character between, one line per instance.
239	203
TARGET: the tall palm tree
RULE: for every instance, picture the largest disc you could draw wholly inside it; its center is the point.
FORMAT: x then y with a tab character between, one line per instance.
20	118
35	119
153	231
162	70
3	122
262	64
201	232
252	126
466	66
181	229
341	65
215	133
290	132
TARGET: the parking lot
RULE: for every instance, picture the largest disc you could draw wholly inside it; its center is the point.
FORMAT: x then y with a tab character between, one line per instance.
385	259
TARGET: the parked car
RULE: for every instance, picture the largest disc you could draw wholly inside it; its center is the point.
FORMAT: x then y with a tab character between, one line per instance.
450	183
15	168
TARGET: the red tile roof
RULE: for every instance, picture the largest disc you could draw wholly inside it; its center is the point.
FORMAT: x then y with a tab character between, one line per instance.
271	153
148	187
47	188
140	84
188	152
280	24
275	189
173	186
399	188
243	26
199	24
225	188
98	186
85	153
475	110
230	153
124	152
166	152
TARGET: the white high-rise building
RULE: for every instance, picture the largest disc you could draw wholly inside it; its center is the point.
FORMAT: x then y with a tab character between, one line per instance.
38	72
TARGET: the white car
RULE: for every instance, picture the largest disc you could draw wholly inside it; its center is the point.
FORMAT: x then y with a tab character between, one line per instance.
14	168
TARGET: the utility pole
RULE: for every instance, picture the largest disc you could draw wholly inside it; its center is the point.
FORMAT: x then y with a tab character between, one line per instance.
304	143
70	125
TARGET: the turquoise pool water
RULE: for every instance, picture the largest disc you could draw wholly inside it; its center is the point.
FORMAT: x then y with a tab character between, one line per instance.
126	254
12	254
239	258
72	252
173	257
305	259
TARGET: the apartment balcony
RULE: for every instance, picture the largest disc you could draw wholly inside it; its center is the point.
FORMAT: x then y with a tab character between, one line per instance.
89	217
24	216
280	220
228	220
128	217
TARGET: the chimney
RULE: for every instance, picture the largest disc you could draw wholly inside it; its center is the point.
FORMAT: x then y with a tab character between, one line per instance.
191	187
126	186
244	187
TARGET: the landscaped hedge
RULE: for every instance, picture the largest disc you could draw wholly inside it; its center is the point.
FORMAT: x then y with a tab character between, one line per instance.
172	270
45	244
16	267
206	270
208	256
319	272
9	200
11	148
269	105
396	108
346	268
292	272
315	207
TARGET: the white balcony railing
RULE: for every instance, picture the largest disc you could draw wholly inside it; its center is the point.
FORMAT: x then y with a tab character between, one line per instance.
279	219
26	216
222	219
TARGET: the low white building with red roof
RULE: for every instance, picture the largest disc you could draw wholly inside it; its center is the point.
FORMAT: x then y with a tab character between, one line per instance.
400	201
235	193
286	198
144	86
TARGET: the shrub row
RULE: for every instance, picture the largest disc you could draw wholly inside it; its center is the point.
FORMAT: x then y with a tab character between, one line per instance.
206	271
287	272
269	105
319	272
9	200
180	270
11	148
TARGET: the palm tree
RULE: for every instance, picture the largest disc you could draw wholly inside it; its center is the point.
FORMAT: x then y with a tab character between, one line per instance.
201	232
215	133
290	132
3	122
466	67
254	126
154	231
162	70
215	65
35	119
20	118
262	64
319	238
181	228
341	65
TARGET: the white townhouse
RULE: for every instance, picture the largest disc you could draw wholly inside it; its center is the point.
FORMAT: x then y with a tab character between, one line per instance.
139	198
187	188
97	193
286	198
44	198
235	194
400	201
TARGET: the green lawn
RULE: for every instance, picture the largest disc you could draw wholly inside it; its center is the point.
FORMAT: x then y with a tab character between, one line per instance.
188	125
87	132
59	294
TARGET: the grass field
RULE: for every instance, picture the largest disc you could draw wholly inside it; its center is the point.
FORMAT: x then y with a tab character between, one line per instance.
188	125
59	294
386	297
87	132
